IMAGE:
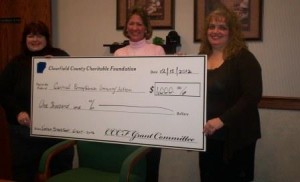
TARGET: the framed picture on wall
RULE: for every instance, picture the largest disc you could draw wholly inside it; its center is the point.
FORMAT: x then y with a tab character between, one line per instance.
249	12
161	12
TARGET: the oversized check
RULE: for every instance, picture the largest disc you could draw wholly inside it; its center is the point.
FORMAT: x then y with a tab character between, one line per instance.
147	101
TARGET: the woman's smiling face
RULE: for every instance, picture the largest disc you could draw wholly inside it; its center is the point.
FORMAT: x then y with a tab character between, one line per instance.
218	32
35	42
136	28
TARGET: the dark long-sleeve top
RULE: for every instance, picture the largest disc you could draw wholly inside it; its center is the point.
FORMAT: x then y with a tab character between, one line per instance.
15	82
233	93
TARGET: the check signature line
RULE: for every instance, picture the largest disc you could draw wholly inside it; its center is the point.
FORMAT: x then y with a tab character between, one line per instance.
137	107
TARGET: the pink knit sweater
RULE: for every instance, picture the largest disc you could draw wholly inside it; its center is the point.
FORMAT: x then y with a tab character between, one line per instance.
141	48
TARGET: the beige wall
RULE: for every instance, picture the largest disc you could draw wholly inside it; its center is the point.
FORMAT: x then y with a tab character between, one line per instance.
82	27
278	152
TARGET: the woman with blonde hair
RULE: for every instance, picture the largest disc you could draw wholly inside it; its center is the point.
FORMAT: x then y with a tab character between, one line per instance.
234	89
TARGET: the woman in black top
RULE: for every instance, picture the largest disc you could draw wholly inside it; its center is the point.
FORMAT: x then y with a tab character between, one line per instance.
15	97
234	89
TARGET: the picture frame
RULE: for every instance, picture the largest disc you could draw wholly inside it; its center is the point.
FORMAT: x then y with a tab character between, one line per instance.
161	12
250	12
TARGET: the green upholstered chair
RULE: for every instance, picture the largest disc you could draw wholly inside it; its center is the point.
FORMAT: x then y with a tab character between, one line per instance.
98	162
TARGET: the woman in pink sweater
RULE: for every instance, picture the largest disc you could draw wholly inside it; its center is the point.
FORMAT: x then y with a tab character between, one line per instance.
138	30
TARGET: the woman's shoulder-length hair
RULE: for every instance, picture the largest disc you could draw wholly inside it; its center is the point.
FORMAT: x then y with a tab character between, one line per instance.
236	40
140	11
36	28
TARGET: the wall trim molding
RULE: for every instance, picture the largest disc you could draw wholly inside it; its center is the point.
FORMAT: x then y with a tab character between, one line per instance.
281	103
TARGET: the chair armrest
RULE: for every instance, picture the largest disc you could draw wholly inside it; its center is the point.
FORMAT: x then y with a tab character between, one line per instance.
131	161
44	165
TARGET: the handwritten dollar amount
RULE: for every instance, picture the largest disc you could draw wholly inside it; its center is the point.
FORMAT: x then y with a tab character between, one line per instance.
175	89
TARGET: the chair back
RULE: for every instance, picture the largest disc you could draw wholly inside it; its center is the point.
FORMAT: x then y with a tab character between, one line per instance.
107	157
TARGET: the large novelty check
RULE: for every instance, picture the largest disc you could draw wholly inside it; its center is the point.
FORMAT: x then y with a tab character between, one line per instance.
148	101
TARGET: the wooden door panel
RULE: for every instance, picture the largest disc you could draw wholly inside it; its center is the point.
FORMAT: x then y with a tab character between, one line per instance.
14	14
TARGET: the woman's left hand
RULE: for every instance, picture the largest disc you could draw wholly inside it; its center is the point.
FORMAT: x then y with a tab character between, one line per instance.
212	125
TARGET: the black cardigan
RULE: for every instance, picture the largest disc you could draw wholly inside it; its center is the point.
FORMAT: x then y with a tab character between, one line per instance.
233	93
15	82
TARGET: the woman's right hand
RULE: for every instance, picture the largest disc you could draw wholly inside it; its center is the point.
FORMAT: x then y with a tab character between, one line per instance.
24	119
